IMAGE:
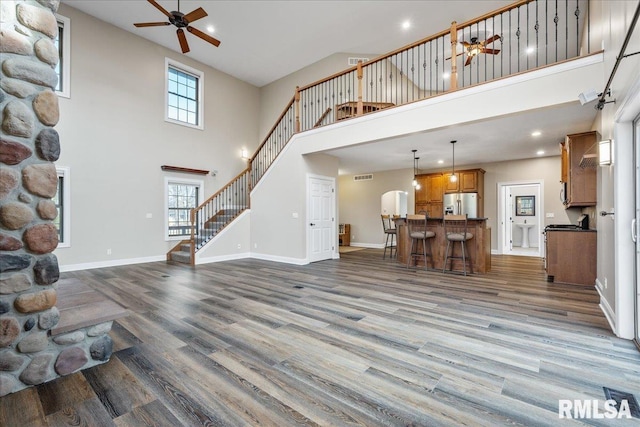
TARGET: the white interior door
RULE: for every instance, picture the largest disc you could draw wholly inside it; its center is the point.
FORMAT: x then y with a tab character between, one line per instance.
321	218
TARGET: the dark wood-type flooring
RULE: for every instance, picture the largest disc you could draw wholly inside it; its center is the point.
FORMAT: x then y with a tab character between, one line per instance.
356	341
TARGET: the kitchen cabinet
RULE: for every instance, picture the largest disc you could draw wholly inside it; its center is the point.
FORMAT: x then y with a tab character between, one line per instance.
571	256
579	183
469	181
429	197
434	186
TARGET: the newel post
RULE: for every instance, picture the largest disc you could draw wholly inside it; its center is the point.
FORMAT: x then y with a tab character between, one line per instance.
297	99
360	108
454	56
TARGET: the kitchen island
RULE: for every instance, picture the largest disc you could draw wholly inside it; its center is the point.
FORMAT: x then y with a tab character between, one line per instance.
478	248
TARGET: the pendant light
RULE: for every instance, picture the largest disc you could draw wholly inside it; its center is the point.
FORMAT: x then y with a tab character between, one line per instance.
453	177
415	183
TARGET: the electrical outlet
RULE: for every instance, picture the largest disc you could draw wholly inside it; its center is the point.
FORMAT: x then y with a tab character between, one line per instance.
255	246
149	215
550	215
605	283
108	251
239	246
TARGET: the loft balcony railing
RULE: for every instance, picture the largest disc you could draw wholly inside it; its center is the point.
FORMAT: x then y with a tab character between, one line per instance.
520	37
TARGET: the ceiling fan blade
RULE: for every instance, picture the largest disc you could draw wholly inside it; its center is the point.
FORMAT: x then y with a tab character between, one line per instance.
492	39
461	53
204	36
468	61
183	40
199	13
491	51
151	24
160	8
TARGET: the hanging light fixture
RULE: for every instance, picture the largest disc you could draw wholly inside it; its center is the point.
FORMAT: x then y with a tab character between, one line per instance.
415	183
453	177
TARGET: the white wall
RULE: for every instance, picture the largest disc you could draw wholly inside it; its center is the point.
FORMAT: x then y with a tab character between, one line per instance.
279	204
616	261
114	139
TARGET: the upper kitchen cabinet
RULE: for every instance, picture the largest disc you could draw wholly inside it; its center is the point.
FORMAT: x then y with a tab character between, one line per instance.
579	180
469	181
429	197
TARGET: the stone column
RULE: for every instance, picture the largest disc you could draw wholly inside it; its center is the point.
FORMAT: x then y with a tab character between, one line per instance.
28	147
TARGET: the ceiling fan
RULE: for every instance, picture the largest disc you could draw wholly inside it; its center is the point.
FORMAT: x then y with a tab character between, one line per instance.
474	47
180	20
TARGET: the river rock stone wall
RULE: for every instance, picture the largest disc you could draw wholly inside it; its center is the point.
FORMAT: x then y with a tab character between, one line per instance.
29	145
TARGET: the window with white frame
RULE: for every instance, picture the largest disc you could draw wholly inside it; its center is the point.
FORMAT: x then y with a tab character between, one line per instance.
63	43
62	202
181	196
184	89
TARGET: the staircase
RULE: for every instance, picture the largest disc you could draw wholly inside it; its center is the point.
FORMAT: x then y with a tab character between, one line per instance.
403	76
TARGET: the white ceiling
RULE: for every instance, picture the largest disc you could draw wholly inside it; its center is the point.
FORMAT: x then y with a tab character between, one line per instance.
263	41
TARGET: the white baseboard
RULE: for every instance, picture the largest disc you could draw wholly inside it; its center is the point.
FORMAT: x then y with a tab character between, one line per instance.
111	263
220	258
286	260
606	308
368	245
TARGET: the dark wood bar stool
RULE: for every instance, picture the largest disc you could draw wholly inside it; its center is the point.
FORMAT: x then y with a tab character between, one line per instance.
455	230
390	232
419	234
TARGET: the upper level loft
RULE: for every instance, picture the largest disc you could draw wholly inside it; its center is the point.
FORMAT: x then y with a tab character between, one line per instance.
524	36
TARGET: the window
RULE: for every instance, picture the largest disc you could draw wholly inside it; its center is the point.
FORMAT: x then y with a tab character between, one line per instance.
63	43
183	95
181	197
61	199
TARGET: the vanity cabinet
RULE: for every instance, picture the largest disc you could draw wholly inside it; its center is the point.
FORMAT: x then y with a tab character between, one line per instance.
579	183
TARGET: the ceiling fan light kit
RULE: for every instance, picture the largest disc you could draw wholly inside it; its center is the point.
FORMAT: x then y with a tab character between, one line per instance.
180	21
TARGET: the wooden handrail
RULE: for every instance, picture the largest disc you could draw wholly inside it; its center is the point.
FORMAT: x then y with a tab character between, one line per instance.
229	184
419	42
273	128
322	117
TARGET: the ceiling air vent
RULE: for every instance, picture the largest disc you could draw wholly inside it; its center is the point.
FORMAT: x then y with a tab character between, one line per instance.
366	177
354	61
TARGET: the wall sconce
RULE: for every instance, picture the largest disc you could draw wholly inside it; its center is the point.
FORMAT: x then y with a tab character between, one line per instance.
604	152
244	154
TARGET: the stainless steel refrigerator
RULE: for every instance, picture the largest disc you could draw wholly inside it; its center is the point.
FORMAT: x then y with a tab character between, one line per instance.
461	203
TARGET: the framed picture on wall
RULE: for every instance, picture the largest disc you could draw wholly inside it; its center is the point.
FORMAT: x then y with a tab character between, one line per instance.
525	205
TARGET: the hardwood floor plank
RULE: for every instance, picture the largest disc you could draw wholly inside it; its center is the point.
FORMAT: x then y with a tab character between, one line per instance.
153	414
66	392
87	413
117	388
22	409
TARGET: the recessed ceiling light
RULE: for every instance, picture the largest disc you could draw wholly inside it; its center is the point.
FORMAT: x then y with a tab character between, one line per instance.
440	162
446	75
211	29
406	25
540	152
536	133
531	49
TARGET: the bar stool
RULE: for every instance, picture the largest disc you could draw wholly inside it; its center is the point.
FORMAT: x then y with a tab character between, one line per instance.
390	232
455	230
418	232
